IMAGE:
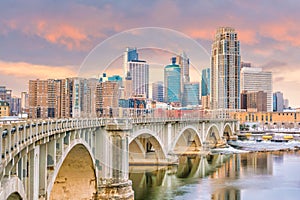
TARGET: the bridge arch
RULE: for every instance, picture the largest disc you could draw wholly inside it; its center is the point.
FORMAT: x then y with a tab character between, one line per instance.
75	175
187	139
212	135
14	189
146	145
227	130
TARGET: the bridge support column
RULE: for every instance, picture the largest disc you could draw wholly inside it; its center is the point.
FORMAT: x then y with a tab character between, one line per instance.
115	183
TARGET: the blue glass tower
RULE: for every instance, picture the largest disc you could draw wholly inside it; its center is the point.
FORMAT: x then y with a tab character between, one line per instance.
191	94
205	82
172	80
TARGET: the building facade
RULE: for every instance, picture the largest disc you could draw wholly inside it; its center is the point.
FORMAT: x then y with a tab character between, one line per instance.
205	88
107	94
158	91
4	108
254	79
278	102
139	72
172	82
191	94
225	70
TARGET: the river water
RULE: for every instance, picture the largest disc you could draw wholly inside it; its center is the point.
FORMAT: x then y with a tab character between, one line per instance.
247	176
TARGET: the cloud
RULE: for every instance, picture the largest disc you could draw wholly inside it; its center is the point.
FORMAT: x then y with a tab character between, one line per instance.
274	65
31	71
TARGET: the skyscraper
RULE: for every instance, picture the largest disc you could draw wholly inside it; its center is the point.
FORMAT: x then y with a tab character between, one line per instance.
278	102
130	54
253	79
158	91
225	70
205	88
172	76
139	71
38	98
191	94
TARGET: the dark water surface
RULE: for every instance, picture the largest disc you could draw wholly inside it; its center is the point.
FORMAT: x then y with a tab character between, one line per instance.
250	176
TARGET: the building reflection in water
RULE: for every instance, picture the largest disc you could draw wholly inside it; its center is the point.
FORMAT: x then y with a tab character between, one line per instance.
219	172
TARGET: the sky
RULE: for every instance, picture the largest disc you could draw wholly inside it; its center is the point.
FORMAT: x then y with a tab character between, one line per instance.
57	39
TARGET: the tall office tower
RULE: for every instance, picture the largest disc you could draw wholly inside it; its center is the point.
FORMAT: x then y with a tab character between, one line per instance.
254	79
38	98
158	91
205	88
191	94
139	71
278	102
225	70
24	103
172	83
130	54
128	86
183	61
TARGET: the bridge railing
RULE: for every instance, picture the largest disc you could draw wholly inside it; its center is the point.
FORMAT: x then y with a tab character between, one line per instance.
139	114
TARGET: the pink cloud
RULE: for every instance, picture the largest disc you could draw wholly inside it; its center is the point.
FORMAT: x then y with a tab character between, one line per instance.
32	71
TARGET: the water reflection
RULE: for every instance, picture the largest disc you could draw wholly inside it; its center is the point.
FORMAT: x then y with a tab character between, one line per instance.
218	177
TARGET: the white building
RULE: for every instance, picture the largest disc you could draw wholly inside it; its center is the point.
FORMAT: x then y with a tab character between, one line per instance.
255	79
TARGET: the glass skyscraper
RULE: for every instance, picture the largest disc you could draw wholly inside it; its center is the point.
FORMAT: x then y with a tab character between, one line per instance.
225	70
205	82
172	81
158	91
191	94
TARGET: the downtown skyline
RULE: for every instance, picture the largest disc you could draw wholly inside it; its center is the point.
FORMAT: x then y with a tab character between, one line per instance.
45	40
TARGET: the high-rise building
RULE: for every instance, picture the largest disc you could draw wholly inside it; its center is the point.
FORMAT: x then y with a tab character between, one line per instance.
158	91
205	88
183	61
172	83
254	79
191	94
225	70
38	98
130	54
139	71
278	102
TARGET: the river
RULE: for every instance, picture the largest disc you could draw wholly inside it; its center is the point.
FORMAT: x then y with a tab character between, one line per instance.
247	176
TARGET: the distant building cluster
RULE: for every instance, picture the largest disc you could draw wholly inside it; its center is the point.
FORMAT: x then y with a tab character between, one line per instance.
228	83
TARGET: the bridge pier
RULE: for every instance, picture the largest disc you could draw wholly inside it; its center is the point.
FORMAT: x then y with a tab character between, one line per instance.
114	182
